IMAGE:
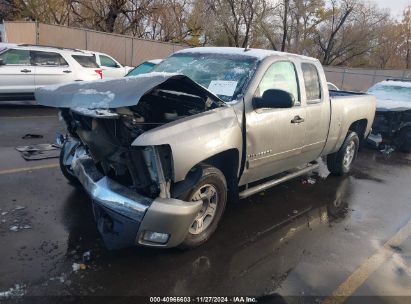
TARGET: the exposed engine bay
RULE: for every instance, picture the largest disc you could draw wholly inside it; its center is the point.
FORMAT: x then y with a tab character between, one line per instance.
108	134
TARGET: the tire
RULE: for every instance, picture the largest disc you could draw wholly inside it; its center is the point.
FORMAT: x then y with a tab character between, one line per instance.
403	140
66	170
339	163
212	181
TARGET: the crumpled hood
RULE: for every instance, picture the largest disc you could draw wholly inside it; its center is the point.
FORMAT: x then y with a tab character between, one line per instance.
118	92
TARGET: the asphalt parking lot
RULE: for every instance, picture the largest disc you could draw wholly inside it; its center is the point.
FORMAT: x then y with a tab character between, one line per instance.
346	237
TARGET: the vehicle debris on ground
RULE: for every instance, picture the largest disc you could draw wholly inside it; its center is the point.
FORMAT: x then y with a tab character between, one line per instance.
39	151
29	135
387	150
308	180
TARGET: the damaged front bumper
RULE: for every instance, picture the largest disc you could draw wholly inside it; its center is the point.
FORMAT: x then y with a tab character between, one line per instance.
125	218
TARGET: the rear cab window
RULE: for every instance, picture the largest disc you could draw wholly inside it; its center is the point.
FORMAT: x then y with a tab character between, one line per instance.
86	61
311	83
41	58
16	57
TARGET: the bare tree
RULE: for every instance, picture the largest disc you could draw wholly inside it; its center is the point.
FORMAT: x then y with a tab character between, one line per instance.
406	35
8	10
265	23
338	32
337	17
237	18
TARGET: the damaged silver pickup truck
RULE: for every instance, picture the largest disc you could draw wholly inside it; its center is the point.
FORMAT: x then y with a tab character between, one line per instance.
161	153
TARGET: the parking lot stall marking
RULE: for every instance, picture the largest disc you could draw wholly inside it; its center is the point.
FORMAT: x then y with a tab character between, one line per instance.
359	276
28	117
17	170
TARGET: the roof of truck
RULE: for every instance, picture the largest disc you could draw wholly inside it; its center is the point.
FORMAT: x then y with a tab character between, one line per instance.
257	53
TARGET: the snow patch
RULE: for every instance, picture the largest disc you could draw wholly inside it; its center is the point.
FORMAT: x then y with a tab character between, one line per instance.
16	228
55	87
392	94
95	112
393	104
404	84
99	99
256	53
17	291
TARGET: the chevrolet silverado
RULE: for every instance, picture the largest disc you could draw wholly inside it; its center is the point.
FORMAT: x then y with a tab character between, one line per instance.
161	153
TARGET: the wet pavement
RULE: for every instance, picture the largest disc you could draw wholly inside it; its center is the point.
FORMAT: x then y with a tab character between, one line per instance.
316	237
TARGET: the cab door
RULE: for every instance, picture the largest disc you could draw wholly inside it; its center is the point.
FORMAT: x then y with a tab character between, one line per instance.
16	73
50	68
318	111
275	137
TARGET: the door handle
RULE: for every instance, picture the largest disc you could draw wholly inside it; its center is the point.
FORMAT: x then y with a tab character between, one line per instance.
67	71
297	119
25	71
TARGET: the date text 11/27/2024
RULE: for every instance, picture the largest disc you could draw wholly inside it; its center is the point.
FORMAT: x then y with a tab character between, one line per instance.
236	299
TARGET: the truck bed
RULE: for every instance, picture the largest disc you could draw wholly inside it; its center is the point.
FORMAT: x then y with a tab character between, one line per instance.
346	108
336	94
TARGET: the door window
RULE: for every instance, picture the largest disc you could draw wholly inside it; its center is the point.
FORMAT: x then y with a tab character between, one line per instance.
108	62
143	68
280	75
86	61
311	82
47	59
16	57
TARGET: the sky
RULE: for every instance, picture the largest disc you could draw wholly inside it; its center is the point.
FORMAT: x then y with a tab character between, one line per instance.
396	6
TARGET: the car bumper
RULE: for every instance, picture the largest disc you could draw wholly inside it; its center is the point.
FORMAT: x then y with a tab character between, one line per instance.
125	217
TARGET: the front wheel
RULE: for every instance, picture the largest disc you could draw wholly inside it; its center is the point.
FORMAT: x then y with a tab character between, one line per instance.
66	169
212	191
340	163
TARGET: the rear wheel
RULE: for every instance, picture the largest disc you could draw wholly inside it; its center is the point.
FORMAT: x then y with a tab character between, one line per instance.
339	163
212	191
403	140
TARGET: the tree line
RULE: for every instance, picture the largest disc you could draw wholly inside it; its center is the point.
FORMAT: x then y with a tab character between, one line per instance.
350	33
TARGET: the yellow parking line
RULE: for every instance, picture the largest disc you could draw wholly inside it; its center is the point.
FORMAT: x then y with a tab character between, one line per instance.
16	170
358	277
44	116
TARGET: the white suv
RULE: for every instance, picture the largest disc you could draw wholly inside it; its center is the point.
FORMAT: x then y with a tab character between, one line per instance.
110	66
24	68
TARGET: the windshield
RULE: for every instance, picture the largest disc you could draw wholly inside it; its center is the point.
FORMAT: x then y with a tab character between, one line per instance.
225	75
391	95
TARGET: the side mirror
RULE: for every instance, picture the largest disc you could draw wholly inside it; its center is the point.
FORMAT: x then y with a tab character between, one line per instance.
2	62
274	99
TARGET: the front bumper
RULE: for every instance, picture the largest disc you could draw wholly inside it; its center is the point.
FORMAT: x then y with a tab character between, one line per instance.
123	216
